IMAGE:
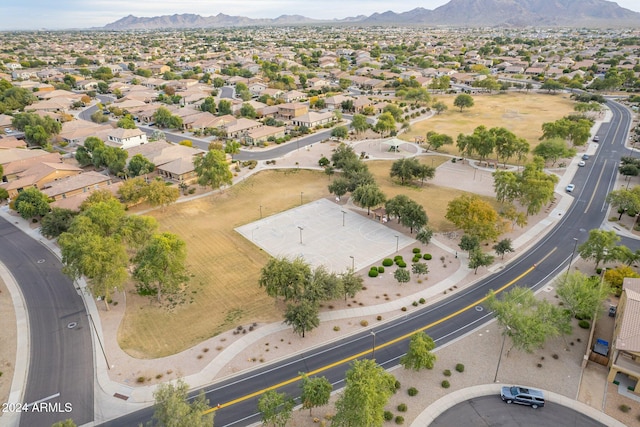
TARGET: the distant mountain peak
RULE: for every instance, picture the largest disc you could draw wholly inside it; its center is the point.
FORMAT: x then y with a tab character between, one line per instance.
459	13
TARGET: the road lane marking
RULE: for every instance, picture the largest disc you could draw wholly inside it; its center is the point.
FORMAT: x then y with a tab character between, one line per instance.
44	399
378	347
593	194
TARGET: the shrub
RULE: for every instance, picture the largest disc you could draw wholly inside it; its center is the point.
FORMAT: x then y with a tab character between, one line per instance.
381	269
412	391
416	250
598	270
364	323
416	258
415	303
379	318
404	309
402	264
140	380
387	262
446	373
388	416
445	384
397	257
427	257
402	407
422	301
336	328
584	324
397	385
624	408
399	419
373	273
460	367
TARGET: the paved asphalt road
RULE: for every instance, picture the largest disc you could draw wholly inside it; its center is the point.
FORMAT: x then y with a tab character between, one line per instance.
492	411
533	269
61	358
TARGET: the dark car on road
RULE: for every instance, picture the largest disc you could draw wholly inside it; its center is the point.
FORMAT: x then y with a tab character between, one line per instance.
522	396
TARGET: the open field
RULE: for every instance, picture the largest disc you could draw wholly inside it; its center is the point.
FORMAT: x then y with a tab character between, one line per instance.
433	198
521	113
224	266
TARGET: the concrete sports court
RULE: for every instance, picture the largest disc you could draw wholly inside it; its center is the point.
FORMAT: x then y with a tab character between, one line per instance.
316	232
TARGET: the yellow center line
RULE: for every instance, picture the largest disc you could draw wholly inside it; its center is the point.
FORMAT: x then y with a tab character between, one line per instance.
378	347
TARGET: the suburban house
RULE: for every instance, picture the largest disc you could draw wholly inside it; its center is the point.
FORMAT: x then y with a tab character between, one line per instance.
240	127
292	110
262	134
313	119
76	184
39	175
625	349
173	161
126	138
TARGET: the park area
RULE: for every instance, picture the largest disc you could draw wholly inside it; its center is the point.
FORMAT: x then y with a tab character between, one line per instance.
521	113
224	265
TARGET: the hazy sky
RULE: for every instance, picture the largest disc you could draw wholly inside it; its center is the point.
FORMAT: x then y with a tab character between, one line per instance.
62	14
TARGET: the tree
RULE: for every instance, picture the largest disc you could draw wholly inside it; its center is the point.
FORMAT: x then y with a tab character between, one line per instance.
402	275
132	191
316	392
248	111
527	321
232	147
344	156
475	217
554	149
66	423
368	196
582	295
140	165
385	124
224	107
440	107
396	205
212	169
4	194
127	122
413	216
469	243
160	265
56	222
340	132
616	276
276	408
463	101
209	105
625	200
599	246
339	187
551	85
419	268
172	407
403	169
302	316
162	117
424	235
436	140
503	246
283	278
31	203
478	259
351	283
158	193
359	123
368	388
420	354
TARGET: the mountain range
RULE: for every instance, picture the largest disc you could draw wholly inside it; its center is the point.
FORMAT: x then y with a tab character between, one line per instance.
456	13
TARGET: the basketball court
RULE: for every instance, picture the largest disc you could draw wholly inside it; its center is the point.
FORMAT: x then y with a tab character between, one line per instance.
325	233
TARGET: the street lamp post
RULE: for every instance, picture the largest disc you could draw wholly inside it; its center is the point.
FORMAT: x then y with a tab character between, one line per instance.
575	245
343	214
373	349
504	338
260	211
397	241
353	262
300	233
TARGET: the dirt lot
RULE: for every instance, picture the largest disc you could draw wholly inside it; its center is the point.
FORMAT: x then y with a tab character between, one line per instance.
8	347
